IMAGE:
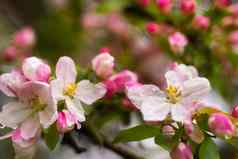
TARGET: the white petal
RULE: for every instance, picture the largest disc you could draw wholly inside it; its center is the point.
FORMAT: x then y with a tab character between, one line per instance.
172	78
88	92
155	109
138	93
14	113
66	70
178	113
75	107
196	88
30	127
57	89
49	115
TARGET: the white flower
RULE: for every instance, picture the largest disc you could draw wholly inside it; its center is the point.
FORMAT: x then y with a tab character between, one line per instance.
183	88
65	88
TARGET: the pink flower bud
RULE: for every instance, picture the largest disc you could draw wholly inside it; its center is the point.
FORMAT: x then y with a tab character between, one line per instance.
152	27
25	38
182	151
92	21
66	121
103	65
177	42
233	37
201	22
193	131
10	54
188	6
222	3
235	112
221	125
36	70
143	3
124	78
165	6
104	50
168	130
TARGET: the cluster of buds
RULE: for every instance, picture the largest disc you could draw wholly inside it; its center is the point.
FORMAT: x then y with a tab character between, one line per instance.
21	45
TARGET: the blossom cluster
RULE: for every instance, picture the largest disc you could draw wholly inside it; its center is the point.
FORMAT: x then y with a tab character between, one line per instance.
42	100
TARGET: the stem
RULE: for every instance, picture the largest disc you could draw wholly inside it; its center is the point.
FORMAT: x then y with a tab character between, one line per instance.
102	140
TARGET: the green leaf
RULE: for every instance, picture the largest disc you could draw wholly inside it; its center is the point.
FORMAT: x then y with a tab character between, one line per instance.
137	133
165	141
208	150
51	137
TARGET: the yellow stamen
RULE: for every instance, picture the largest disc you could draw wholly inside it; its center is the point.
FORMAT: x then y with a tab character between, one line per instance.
70	90
173	94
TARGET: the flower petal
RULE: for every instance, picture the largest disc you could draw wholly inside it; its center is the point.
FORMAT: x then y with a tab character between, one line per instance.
155	109
137	94
196	88
30	127
88	92
178	113
75	107
66	70
57	89
24	150
18	113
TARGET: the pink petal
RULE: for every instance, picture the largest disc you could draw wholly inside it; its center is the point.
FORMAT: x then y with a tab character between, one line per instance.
75	107
29	128
178	113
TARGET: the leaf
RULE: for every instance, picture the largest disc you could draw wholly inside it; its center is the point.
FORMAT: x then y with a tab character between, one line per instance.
137	133
208	150
51	137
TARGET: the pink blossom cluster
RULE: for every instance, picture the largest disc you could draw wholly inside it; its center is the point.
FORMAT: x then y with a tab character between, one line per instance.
21	45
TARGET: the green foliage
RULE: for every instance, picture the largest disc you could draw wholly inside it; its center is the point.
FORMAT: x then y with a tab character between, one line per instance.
208	150
51	137
137	133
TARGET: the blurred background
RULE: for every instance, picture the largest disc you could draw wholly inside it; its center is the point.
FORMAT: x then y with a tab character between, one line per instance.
136	33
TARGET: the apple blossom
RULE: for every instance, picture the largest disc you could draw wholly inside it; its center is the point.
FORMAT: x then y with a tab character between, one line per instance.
67	120
188	6
152	27
36	69
221	125
25	38
182	151
201	22
165	6
222	3
184	86
177	42
233	9
64	87
143	3
103	65
10	54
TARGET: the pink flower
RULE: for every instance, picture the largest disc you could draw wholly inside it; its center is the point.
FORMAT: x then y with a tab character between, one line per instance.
34	108
92	21
183	88
165	6
182	151
104	50
222	3
177	42
10	83
25	38
201	22
10	54
64	88
66	121
103	65
35	69
221	125
188	6
235	112
193	131
152	27
233	9
233	39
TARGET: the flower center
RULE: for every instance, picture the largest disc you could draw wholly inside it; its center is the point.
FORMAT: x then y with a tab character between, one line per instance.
173	94
70	90
38	105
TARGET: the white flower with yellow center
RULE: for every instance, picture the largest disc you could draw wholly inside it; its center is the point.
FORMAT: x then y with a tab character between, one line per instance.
64	87
183	88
